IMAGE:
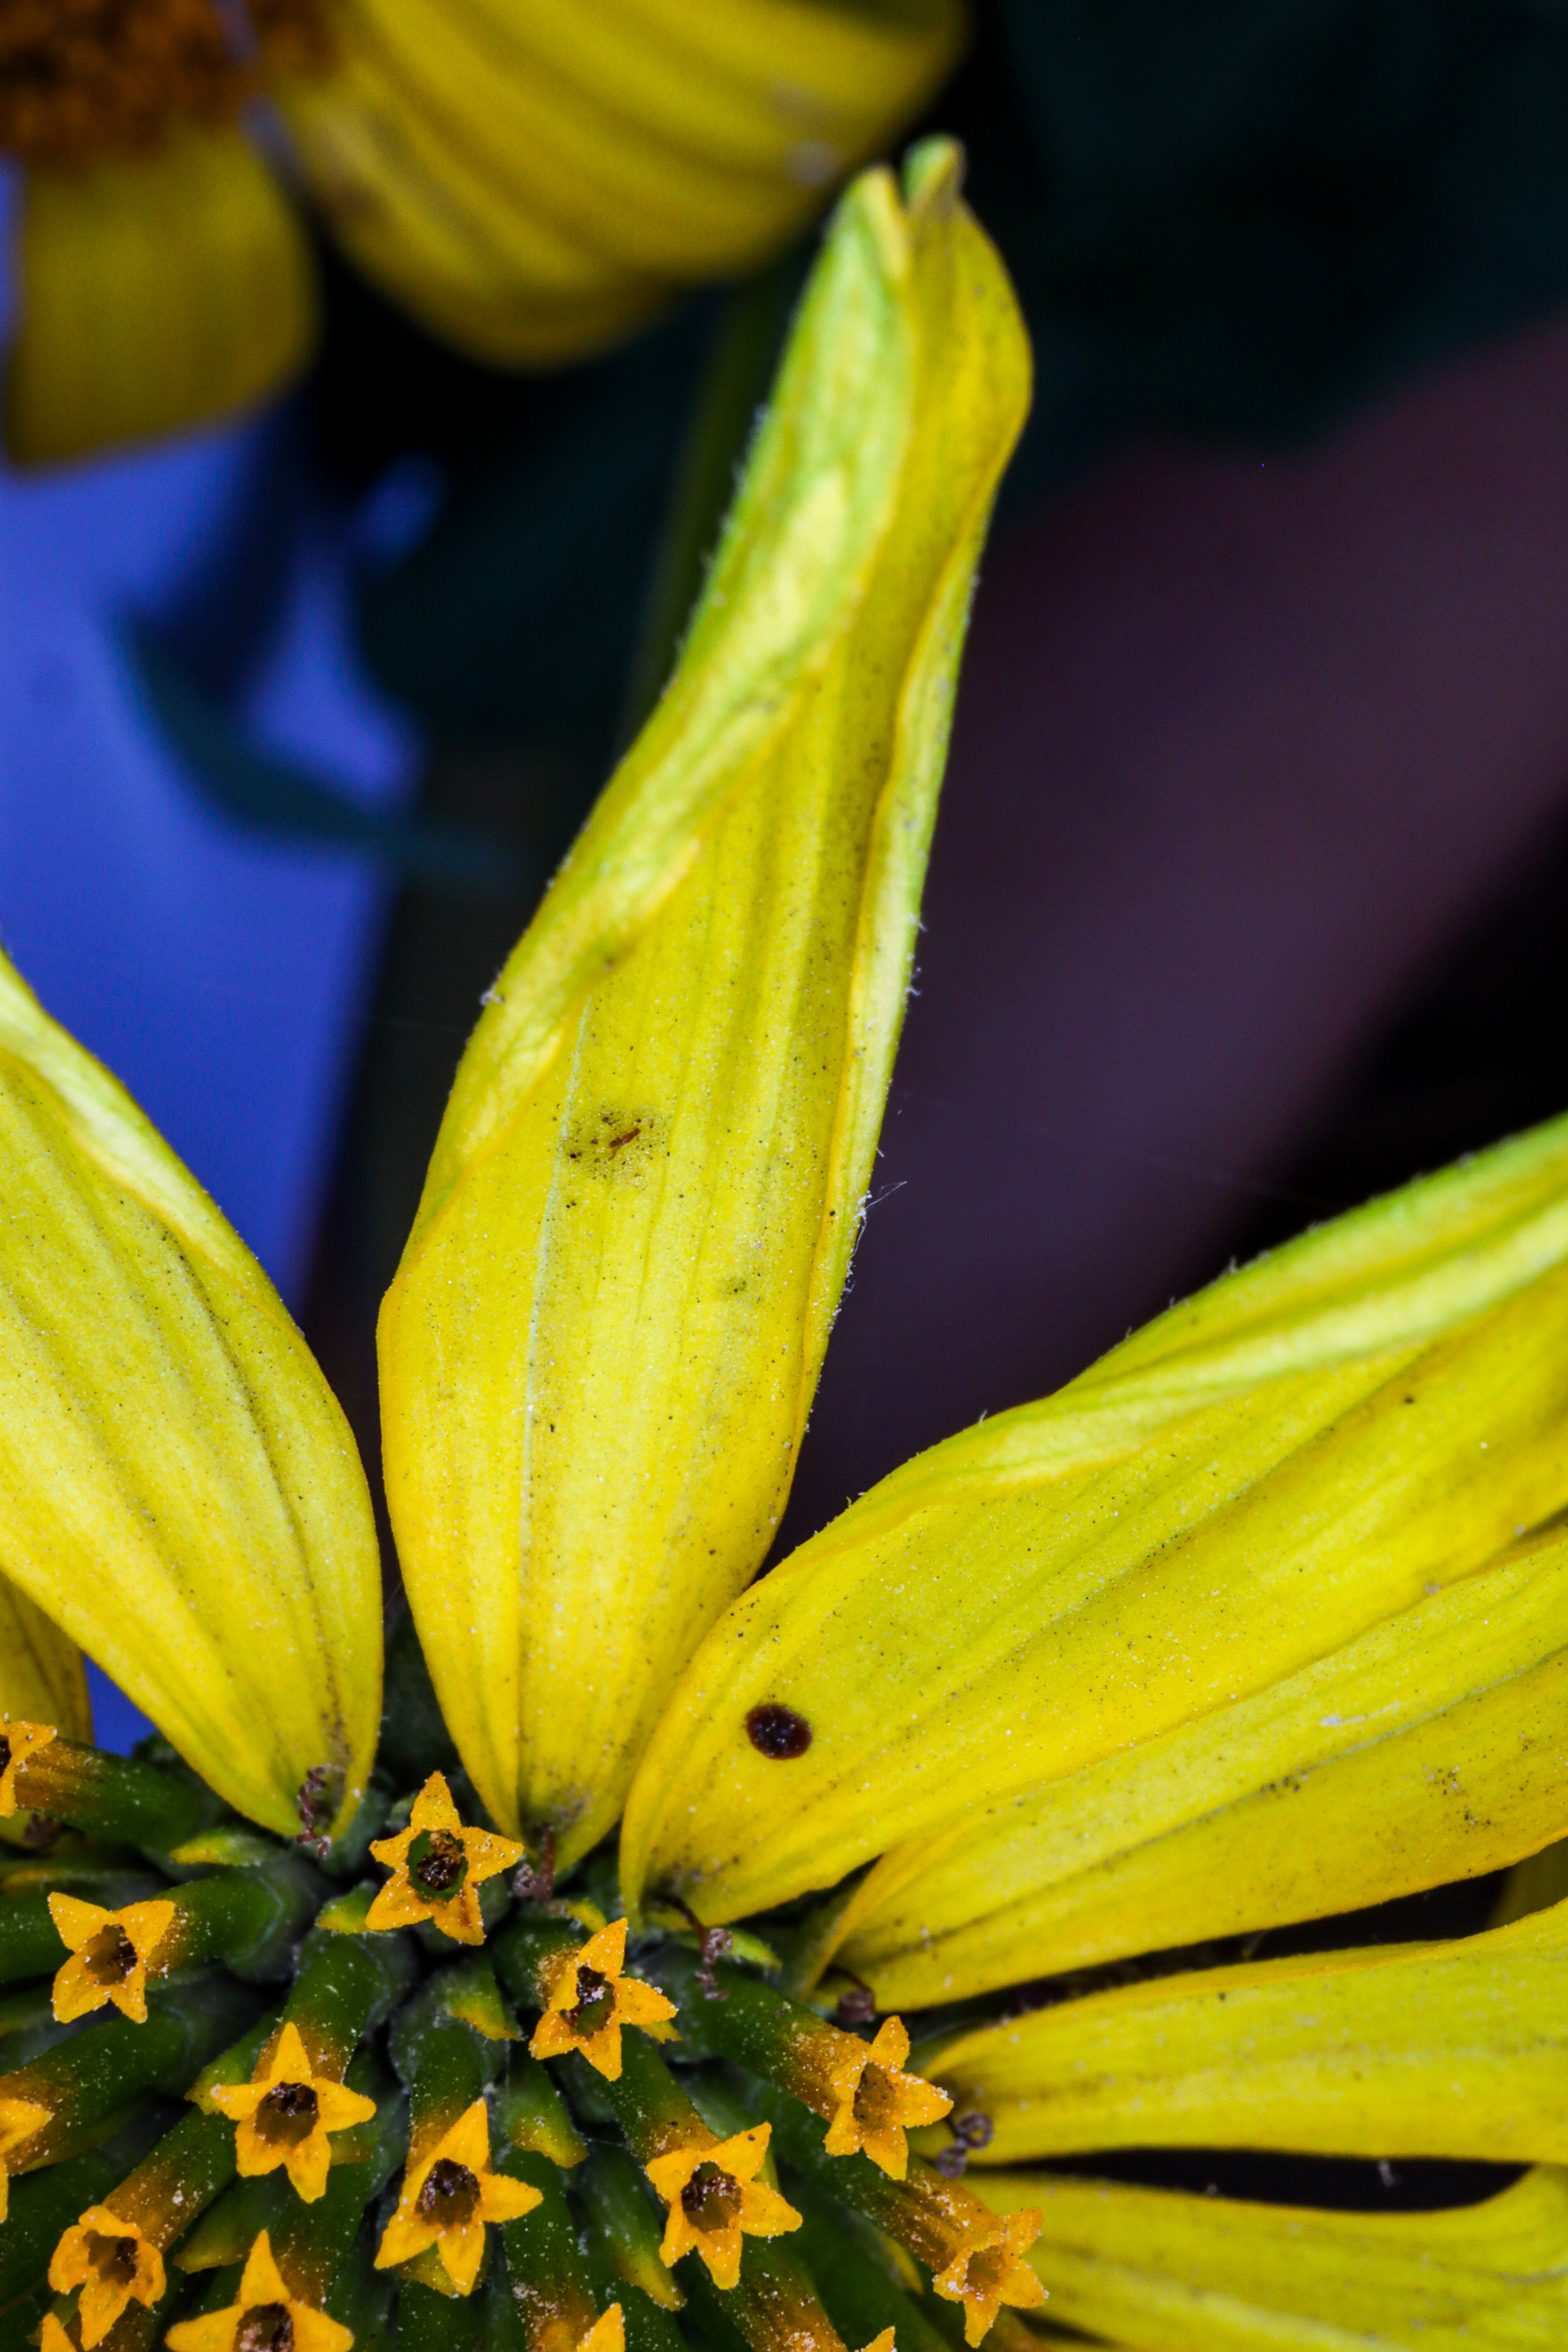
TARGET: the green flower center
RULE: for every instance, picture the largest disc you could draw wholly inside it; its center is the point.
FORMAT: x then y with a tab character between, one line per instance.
437	1864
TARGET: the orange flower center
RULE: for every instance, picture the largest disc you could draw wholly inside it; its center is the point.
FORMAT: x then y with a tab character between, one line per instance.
85	77
877	2099
986	2273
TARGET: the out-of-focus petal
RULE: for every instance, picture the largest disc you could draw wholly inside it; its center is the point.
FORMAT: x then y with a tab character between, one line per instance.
1158	2271
41	1675
156	293
1443	2050
533	182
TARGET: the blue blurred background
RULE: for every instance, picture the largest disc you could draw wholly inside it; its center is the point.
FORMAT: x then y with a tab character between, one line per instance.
223	973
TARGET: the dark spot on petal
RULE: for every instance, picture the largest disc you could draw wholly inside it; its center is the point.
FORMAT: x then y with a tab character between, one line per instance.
777	1731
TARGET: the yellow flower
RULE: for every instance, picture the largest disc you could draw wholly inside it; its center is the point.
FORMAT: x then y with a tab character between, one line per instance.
267	2317
114	2265
1263	1616
438	1867
532	183
448	2196
591	2001
875	2103
285	2115
19	2119
988	2270
715	2198
18	1742
111	1951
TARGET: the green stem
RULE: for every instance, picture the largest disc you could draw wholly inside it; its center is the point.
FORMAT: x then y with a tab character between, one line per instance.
88	2083
118	1797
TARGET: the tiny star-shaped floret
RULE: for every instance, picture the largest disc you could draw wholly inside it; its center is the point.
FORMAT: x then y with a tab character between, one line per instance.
715	2200
109	1955
19	2119
18	1742
875	2103
590	2000
284	2113
447	2198
608	2333
267	2319
989	2270
114	2265
438	1867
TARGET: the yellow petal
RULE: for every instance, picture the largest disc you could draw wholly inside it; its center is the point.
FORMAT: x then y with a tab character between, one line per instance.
42	1679
156	292
1427	1749
602	1342
1259	1477
532	183
178	1489
1449	2050
1157	2271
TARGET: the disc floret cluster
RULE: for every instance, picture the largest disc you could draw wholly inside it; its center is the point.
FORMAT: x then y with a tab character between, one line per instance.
267	2096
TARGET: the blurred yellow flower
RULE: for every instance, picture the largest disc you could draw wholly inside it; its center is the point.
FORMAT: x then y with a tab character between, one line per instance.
531	179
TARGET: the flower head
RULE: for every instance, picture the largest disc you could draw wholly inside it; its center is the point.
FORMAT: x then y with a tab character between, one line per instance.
715	2198
113	2262
448	2196
266	2318
591	2000
438	1867
110	1952
286	2114
1260	1615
